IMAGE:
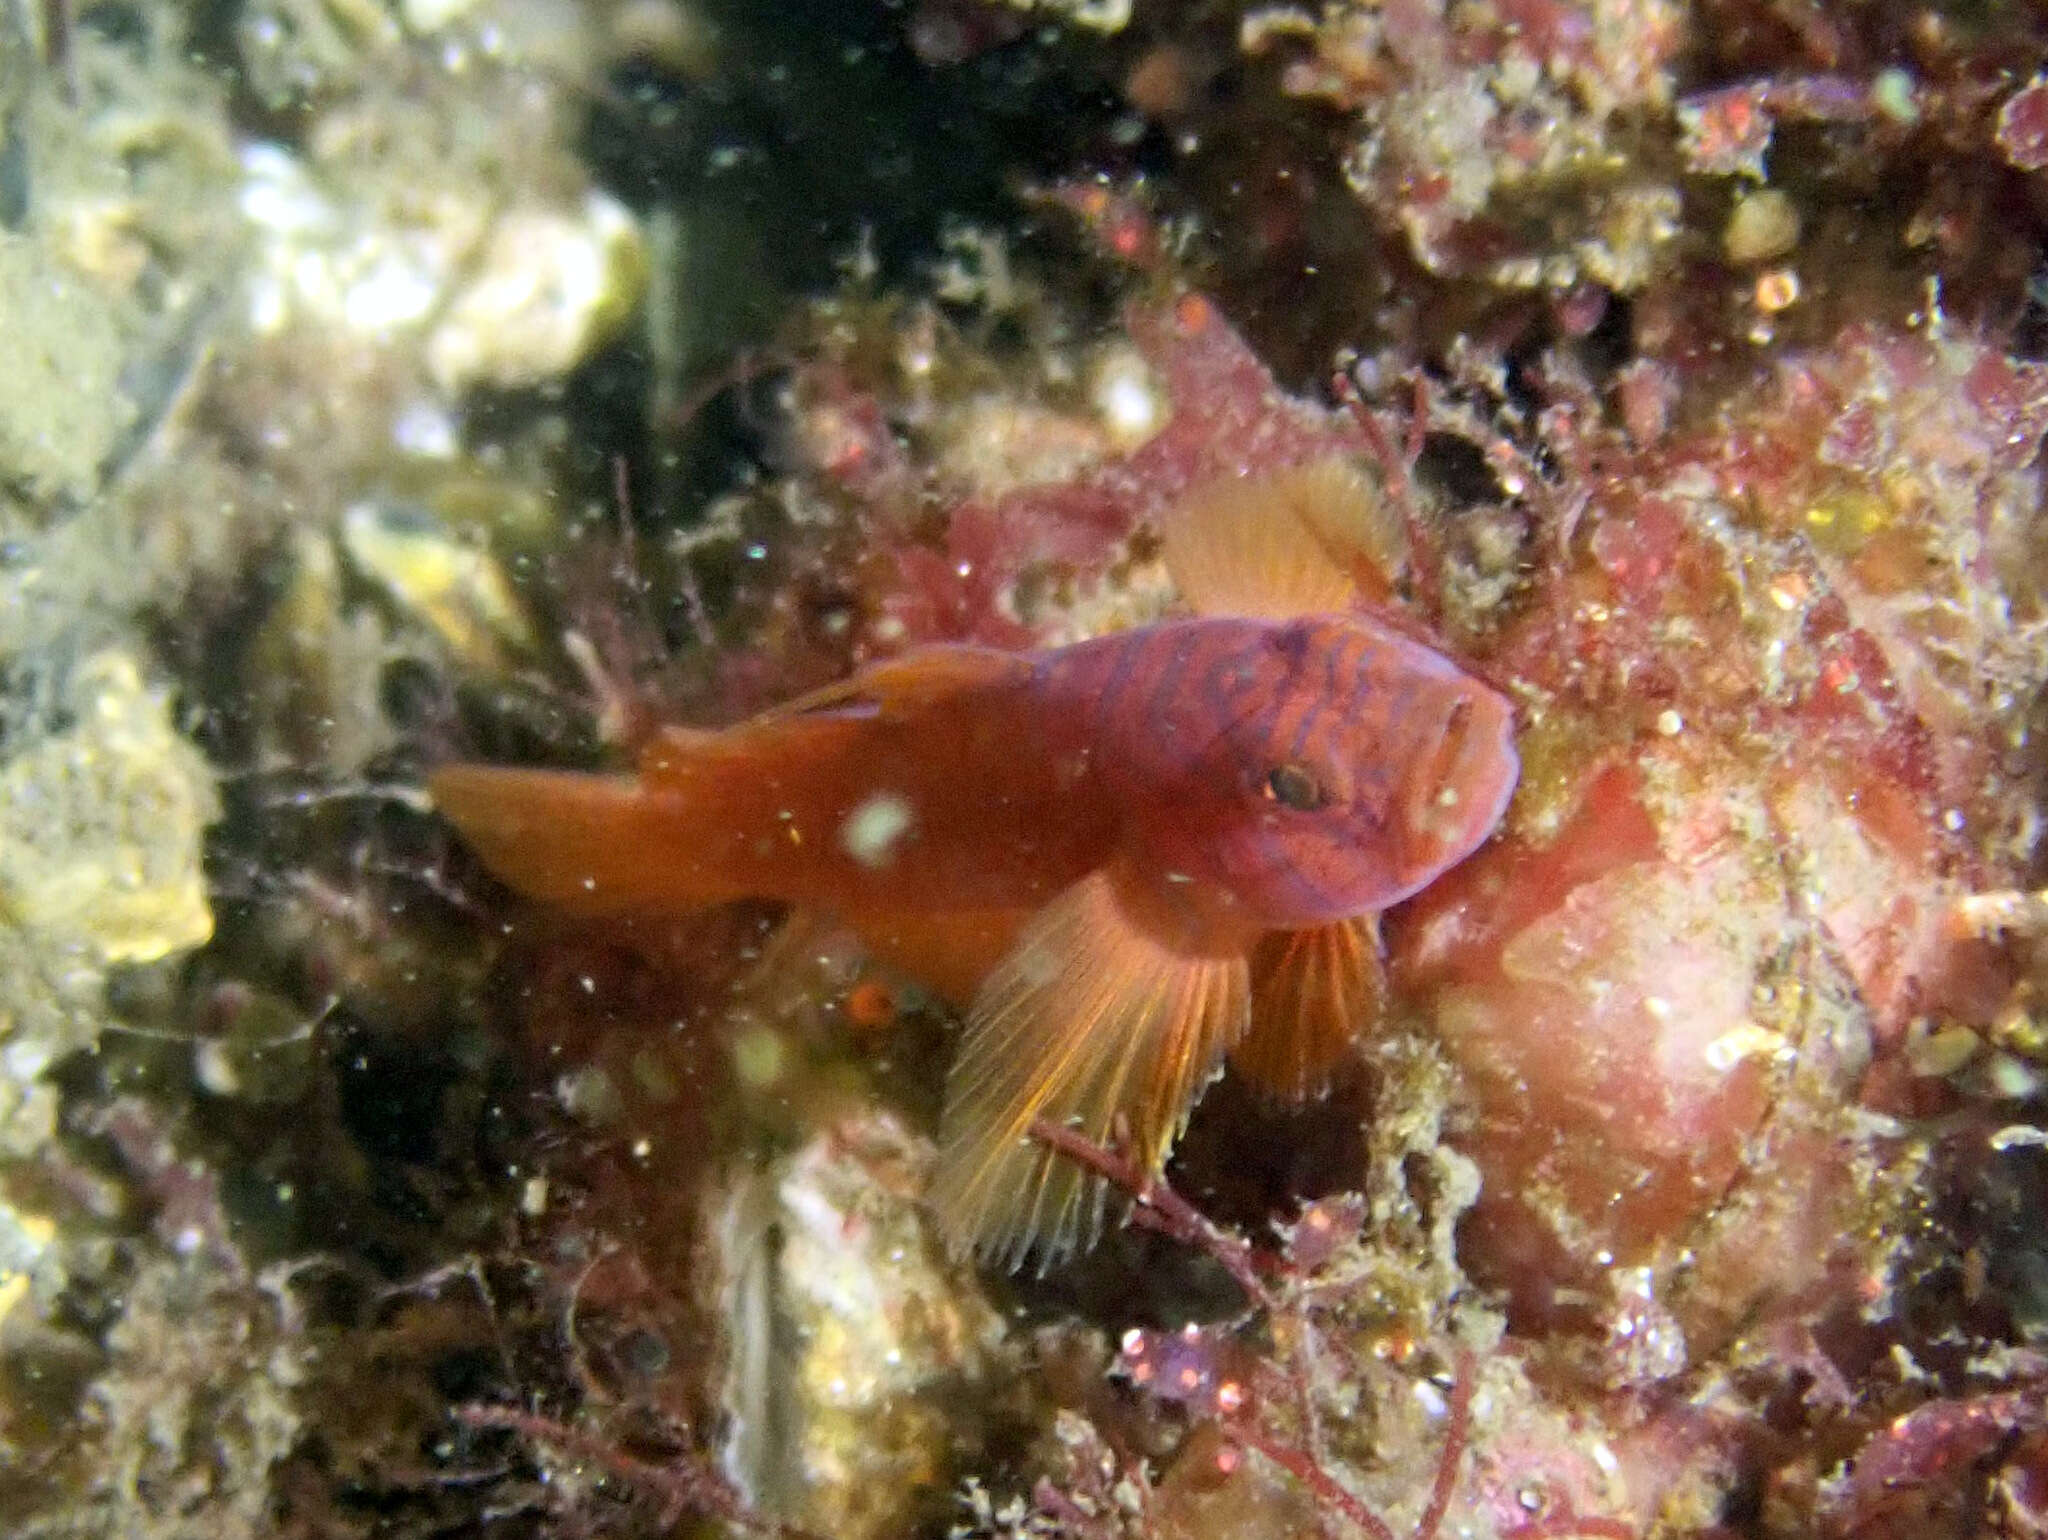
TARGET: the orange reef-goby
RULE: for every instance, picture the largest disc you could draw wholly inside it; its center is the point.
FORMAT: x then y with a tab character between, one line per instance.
1128	858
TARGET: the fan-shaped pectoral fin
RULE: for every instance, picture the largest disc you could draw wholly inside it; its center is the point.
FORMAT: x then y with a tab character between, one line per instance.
1091	1022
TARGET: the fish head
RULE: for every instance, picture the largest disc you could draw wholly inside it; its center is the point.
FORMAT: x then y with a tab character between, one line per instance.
1348	768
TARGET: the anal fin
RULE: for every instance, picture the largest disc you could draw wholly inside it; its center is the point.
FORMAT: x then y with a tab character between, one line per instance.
1091	1022
1313	992
948	951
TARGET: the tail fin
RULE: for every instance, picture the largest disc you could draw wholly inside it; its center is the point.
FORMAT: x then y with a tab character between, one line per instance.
592	843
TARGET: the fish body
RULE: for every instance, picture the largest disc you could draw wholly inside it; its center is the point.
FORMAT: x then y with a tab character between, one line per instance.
1128	857
936	781
1298	768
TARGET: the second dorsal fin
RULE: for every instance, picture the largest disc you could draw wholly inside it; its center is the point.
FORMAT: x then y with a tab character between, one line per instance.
908	683
895	690
1313	539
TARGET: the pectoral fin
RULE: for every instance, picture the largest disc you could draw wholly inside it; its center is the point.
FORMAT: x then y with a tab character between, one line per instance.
1313	991
1314	539
1093	1023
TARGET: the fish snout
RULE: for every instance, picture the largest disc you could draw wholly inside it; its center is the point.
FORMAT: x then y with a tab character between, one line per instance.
1461	780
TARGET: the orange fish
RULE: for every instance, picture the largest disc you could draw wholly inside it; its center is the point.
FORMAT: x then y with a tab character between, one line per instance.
1130	857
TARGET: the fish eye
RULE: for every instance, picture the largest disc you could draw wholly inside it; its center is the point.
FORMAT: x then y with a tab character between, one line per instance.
1294	785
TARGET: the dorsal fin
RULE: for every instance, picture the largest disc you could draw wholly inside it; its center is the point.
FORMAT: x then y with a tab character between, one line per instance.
897	688
1313	993
1091	1022
905	684
1314	539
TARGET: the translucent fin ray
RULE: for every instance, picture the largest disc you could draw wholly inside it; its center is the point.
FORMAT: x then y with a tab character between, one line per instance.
1315	539
1091	1023
1313	993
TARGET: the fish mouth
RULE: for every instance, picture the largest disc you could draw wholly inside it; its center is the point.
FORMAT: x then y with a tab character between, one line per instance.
1461	788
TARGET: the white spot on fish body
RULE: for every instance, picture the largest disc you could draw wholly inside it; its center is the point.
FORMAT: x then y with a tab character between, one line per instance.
873	830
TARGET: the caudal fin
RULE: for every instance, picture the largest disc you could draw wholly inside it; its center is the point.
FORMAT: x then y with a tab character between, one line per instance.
594	843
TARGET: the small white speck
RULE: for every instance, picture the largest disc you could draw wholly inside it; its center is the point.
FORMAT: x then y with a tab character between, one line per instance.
1952	820
874	830
1670	723
1430	1399
1127	399
425	429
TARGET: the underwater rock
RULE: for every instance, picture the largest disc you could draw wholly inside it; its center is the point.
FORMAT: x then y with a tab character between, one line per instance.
62	409
100	830
858	1351
194	1409
102	823
546	287
1776	691
1493	136
406	237
1612	1040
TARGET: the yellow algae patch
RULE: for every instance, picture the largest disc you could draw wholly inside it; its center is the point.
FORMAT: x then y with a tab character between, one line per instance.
100	825
23	1240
